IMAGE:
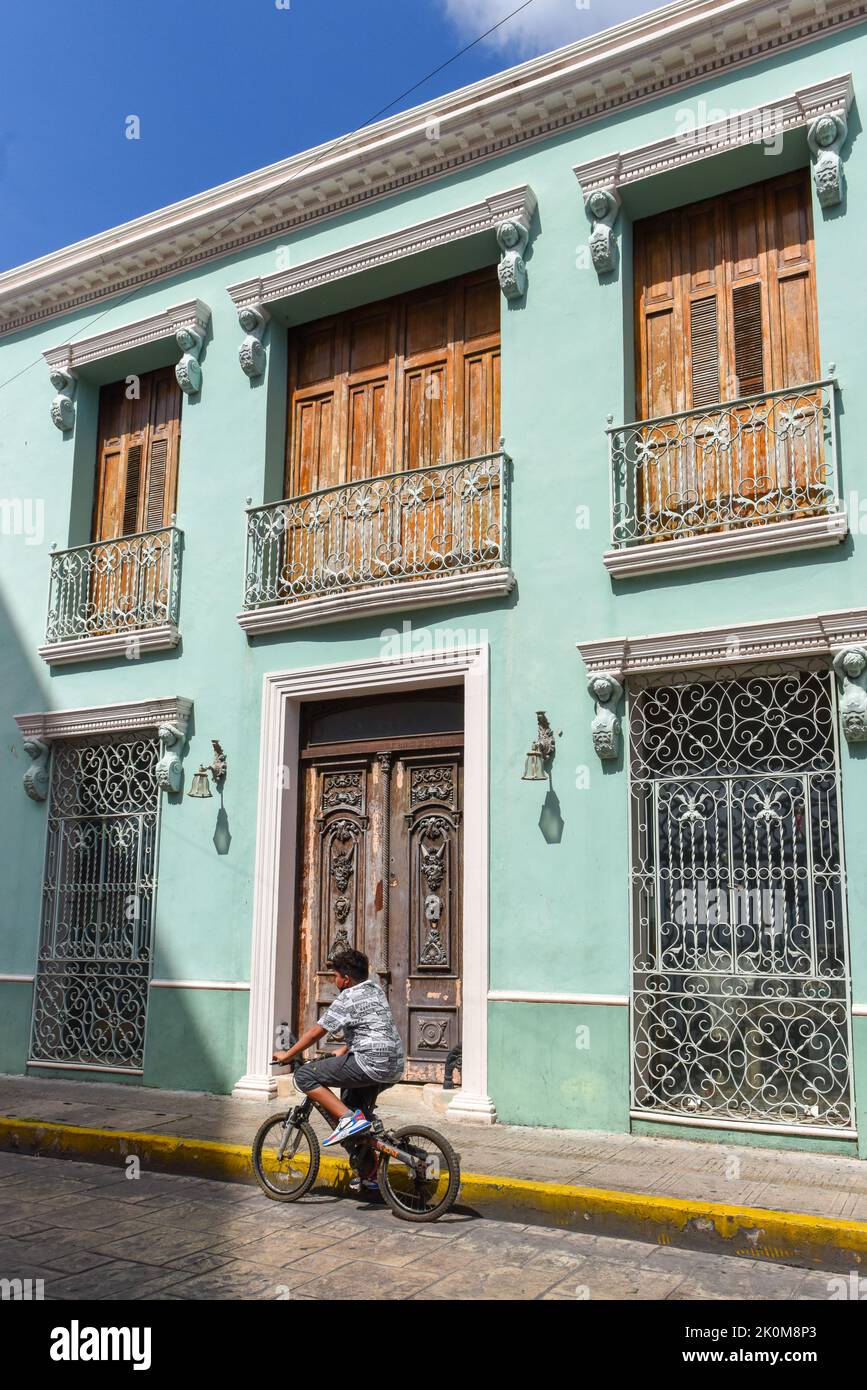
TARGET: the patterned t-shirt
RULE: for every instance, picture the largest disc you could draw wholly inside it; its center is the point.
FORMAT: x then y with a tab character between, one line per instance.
362	1015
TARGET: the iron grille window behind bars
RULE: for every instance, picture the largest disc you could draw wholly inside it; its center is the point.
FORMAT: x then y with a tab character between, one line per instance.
740	1004
98	896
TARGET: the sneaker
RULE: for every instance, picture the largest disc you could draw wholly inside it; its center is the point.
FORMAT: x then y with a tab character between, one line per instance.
351	1124
359	1185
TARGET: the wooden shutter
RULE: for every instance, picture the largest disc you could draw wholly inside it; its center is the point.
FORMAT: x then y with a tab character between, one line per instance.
734	278
138	456
725	308
410	382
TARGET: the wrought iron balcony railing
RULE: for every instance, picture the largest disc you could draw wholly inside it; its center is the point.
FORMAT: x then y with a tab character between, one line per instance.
419	524
124	585
747	462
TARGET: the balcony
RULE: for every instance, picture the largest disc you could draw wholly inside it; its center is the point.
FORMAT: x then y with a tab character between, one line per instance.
114	598
397	541
748	477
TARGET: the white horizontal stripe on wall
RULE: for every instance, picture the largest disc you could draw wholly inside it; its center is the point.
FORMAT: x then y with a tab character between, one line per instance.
530	996
200	984
16	979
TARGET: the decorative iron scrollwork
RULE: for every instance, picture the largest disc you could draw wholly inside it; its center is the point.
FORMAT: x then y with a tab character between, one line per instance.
741	985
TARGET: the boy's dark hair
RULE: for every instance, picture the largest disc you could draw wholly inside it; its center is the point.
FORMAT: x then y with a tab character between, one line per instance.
352	963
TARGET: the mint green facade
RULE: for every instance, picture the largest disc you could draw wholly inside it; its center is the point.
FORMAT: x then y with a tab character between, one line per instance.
559	857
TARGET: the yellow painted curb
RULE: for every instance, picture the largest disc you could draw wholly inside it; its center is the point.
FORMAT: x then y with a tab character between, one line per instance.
794	1237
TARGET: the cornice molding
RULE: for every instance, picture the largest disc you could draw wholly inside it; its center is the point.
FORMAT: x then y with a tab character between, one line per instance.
193	315
49	725
746	543
663	51
514	205
740	128
775	639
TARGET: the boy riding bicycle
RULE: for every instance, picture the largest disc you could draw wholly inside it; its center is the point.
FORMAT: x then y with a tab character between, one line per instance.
372	1056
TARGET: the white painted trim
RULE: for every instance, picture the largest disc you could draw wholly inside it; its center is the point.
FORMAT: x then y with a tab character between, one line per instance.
385	598
798	1131
515	204
743	543
772	639
105	719
200	984
775	117
272	963
532	996
110	644
192	314
84	1066
650	55
17	979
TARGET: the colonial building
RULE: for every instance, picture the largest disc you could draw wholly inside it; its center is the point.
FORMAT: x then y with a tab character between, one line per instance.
457	551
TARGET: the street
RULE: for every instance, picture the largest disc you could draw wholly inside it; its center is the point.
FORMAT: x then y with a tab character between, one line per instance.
92	1232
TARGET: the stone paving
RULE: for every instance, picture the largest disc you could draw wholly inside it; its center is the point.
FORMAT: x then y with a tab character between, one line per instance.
90	1232
785	1180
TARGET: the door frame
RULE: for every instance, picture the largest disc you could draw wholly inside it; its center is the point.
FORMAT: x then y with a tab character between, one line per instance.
272	970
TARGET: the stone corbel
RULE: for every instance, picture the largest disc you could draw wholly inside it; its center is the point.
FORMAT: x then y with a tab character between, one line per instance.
36	777
168	768
606	690
850	665
602	207
189	370
825	136
63	405
512	238
251	353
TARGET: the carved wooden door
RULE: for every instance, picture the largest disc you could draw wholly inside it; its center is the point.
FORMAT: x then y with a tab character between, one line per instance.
381	870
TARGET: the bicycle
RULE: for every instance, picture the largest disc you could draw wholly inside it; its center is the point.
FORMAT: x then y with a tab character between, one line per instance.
417	1169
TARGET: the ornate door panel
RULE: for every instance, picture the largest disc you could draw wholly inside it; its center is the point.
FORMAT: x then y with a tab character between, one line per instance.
381	871
425	909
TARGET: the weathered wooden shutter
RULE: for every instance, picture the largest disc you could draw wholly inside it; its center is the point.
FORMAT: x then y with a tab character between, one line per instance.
411	382
138	456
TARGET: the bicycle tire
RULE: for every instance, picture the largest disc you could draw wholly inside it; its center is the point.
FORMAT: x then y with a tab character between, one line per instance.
260	1168
449	1197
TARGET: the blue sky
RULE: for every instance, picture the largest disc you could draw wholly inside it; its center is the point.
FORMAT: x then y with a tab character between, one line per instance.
221	87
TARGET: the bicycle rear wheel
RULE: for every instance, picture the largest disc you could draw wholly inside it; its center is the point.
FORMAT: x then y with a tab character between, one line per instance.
425	1188
285	1178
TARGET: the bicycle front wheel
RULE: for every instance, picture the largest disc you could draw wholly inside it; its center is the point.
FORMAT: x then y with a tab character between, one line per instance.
424	1185
286	1162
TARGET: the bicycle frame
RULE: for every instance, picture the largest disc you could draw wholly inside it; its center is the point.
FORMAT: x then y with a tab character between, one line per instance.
377	1142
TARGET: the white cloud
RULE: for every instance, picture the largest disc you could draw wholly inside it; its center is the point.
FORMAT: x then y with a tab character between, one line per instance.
543	25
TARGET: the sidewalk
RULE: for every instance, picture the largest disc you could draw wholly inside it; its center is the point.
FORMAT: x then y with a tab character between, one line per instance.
794	1207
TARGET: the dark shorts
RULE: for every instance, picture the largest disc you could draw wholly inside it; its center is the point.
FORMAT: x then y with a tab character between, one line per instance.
343	1074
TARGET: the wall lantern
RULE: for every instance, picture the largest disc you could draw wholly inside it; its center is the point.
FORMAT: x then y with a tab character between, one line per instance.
541	750
201	787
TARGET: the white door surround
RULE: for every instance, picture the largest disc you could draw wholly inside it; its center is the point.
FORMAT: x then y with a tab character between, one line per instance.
272	980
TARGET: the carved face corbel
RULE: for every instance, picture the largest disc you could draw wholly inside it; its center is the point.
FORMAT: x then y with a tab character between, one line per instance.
606	690
168	768
251	353
825	138
63	405
512	238
189	371
850	665
36	777
602	207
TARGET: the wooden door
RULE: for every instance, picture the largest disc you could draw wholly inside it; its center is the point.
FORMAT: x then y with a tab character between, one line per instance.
381	870
136	487
725	309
